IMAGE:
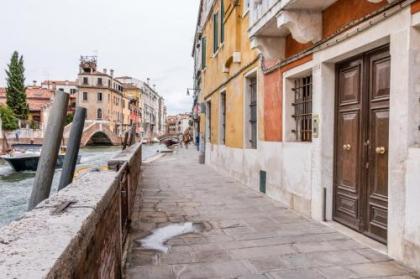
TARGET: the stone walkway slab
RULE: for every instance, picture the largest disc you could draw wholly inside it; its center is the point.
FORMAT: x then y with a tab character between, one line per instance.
245	234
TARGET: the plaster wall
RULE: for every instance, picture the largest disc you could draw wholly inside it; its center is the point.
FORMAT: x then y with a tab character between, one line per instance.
288	167
297	173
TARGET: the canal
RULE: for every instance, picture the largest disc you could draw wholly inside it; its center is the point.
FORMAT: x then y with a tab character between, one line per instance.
15	187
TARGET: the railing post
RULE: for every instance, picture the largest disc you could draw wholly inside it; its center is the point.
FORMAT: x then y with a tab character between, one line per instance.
50	148
72	152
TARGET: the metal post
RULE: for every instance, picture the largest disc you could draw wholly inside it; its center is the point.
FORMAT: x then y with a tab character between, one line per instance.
133	134
50	148
70	160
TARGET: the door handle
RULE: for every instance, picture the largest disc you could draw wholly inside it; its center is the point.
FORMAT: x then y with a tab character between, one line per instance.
346	147
380	150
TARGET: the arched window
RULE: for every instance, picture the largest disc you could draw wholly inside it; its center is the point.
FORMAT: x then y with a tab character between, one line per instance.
99	114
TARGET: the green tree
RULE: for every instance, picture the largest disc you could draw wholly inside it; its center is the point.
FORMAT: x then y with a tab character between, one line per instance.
8	119
69	118
16	95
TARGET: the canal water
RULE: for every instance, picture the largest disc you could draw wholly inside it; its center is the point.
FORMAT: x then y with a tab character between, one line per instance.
15	187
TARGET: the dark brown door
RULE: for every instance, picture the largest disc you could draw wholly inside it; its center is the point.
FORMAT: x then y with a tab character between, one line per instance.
361	144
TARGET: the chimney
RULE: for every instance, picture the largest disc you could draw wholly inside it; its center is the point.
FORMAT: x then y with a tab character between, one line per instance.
148	81
34	82
111	72
105	71
154	87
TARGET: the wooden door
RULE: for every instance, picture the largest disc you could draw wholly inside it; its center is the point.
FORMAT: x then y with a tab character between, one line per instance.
378	135
361	143
348	183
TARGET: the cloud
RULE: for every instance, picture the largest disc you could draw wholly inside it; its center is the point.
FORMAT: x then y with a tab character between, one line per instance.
134	37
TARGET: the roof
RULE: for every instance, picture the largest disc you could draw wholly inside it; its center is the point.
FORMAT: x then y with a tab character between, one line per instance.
59	82
36	97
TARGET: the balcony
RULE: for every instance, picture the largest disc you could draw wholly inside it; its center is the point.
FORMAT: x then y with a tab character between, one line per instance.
273	20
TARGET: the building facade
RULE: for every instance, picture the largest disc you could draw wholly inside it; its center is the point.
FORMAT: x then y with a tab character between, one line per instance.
151	108
103	96
322	110
39	99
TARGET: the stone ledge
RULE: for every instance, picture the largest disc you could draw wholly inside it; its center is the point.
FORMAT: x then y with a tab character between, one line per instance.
38	243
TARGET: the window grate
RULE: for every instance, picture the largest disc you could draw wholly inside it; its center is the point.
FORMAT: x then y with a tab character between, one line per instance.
223	107
303	108
253	111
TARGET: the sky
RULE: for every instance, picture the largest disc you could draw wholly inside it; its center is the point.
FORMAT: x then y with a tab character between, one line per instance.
139	38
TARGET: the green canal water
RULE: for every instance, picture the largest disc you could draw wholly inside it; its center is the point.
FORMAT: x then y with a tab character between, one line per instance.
15	187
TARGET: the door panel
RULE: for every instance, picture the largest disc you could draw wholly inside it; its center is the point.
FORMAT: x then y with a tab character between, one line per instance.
347	179
377	199
361	143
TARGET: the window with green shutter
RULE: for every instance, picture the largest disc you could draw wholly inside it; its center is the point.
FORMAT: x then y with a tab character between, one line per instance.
222	22
203	52
215	32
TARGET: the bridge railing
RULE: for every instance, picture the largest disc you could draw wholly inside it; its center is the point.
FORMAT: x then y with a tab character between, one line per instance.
78	232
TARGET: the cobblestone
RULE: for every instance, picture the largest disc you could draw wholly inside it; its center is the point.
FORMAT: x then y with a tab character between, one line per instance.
247	234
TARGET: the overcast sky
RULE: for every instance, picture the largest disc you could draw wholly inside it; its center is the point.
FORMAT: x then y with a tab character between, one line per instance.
139	38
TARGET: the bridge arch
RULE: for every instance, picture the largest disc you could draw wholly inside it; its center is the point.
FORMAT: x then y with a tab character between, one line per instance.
98	137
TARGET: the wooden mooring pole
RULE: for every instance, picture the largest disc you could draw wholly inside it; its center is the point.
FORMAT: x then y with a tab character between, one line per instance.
73	146
50	148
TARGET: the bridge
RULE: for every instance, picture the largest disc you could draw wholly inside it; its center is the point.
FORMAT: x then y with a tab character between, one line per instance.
95	132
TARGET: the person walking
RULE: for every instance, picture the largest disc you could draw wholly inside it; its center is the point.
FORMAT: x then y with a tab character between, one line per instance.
187	137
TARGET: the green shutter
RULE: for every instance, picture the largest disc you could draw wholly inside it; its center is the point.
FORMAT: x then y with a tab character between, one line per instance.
215	32
203	52
222	22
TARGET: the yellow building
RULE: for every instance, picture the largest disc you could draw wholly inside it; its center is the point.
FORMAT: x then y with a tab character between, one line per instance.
226	74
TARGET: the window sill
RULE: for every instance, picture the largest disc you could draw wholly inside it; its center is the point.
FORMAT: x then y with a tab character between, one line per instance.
218	50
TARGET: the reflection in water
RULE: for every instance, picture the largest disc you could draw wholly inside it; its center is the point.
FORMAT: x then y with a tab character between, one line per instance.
15	187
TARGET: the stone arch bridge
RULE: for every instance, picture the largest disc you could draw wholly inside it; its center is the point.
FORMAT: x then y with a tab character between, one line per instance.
95	132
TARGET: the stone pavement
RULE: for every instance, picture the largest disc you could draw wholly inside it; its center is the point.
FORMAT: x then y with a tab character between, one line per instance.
247	235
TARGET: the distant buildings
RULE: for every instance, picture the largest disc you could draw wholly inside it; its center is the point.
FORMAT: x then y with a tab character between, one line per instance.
117	103
38	99
151	107
177	124
102	95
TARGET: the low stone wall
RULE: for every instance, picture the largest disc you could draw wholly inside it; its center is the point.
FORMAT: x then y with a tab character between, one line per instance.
78	232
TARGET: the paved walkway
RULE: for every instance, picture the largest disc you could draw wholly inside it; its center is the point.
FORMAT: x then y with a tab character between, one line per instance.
247	235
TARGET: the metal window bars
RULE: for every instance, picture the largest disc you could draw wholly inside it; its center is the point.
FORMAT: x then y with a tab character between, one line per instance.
253	112
303	109
223	105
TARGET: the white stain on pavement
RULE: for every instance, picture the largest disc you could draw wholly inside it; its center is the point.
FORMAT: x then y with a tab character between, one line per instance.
158	238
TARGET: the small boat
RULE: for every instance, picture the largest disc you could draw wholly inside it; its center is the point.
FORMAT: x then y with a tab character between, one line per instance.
29	161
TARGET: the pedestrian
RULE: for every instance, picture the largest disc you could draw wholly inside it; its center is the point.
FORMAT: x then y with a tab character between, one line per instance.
17	135
186	137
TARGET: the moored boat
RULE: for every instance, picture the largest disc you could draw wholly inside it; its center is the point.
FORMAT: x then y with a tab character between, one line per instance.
29	162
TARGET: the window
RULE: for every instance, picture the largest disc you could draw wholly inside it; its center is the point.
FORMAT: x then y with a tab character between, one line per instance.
99	114
253	111
303	108
209	121
247	4
222	21
203	52
223	117
85	81
250	136
72	91
215	32
99	81
61	89
99	97
85	96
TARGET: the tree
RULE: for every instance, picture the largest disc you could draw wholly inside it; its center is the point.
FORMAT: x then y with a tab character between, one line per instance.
15	91
8	119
